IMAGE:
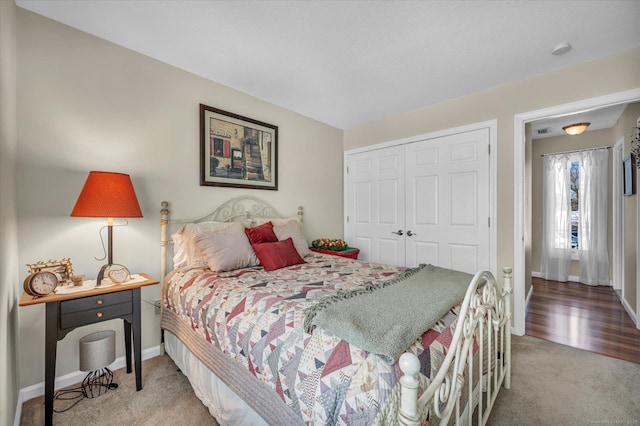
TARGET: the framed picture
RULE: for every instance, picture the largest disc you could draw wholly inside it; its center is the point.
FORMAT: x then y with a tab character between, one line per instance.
628	181
237	151
62	269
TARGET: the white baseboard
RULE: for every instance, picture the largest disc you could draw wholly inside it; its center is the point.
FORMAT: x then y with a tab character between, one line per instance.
630	311
526	303
571	278
69	379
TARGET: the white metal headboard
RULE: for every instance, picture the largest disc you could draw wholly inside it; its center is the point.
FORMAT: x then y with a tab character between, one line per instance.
234	210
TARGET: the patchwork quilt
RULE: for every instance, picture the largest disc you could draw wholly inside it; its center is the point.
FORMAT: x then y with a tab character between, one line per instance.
257	319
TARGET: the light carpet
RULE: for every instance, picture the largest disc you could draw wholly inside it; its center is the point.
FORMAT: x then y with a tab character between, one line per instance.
551	385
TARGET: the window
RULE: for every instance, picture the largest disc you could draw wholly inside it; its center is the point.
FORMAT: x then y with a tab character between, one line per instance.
574	191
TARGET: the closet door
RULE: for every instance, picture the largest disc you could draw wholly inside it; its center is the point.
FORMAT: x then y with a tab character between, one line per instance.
375	205
447	201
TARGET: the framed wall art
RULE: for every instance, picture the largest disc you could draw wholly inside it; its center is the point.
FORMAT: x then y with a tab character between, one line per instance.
237	151
628	178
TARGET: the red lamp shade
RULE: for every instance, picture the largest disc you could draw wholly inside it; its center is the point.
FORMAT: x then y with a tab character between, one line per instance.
107	194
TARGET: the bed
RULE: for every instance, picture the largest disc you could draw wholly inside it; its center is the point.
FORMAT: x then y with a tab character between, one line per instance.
283	335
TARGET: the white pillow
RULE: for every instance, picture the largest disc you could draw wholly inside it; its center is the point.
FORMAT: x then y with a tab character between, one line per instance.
227	249
292	228
185	252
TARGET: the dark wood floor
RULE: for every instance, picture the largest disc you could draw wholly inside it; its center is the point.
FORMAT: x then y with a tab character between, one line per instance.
584	317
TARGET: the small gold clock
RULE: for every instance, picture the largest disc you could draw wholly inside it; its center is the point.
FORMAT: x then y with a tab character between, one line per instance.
40	283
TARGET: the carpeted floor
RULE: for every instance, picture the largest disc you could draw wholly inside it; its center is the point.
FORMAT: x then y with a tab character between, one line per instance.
551	385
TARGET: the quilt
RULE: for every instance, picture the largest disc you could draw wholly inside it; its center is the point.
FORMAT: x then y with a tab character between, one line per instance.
256	318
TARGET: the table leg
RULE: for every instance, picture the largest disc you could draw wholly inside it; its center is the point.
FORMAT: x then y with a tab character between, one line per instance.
137	337
51	345
127	344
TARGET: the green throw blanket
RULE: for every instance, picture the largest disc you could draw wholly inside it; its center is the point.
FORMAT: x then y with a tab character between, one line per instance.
387	318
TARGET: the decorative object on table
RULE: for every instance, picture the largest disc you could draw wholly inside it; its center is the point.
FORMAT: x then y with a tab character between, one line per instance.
329	244
118	273
44	277
97	352
237	151
77	280
107	194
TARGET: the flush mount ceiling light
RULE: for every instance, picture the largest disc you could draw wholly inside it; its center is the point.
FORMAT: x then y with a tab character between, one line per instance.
561	49
576	129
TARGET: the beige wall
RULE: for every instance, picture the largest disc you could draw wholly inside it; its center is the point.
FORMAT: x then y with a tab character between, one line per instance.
624	128
591	139
9	286
86	104
604	76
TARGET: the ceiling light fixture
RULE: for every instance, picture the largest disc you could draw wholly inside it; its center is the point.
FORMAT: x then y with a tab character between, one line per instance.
576	129
561	49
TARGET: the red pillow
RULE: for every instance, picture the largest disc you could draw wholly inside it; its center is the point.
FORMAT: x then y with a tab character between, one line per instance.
261	234
277	255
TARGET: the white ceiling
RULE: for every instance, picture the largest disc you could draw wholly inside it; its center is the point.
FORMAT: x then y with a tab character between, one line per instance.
602	118
347	63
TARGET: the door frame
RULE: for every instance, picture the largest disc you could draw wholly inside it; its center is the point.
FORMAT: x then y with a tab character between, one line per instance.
492	125
519	139
618	218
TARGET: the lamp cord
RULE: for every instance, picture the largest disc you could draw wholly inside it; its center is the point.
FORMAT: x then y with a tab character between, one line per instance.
104	249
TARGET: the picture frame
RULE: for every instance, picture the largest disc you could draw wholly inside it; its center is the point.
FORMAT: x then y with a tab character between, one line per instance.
628	178
62	268
237	151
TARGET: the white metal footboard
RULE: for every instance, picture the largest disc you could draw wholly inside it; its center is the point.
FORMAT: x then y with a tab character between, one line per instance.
483	331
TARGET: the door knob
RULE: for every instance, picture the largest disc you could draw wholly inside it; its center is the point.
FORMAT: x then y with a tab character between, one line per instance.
399	232
409	233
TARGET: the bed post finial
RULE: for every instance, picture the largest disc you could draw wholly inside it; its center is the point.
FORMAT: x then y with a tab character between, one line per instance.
300	213
408	412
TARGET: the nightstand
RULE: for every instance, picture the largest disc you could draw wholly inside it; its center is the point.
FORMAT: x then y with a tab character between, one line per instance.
350	252
66	312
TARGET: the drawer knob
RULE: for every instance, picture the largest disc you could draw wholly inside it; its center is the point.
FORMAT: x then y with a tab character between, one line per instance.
99	302
99	314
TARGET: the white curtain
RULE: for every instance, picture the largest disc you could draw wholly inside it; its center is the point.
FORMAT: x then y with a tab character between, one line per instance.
593	204
556	218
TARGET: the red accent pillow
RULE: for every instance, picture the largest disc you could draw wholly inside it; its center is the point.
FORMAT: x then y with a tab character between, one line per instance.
277	255
261	234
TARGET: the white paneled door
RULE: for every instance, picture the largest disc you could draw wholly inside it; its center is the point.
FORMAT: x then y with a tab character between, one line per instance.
376	205
422	202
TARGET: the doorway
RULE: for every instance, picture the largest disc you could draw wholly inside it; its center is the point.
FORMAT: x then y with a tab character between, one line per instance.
520	120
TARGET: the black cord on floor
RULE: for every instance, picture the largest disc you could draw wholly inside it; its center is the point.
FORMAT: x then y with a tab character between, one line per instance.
92	383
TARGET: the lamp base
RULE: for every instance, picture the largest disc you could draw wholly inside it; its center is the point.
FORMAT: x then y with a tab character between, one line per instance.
101	274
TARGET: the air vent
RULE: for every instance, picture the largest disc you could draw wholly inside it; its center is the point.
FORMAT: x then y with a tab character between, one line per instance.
544	131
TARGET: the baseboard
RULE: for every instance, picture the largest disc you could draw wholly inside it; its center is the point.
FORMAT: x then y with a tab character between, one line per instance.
69	379
571	278
632	314
526	302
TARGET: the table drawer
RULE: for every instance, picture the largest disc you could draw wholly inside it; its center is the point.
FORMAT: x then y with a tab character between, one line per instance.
91	316
101	301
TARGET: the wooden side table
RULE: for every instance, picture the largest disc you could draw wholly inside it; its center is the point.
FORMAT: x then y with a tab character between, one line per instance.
66	312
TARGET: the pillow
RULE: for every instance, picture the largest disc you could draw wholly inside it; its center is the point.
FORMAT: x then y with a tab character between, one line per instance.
185	252
226	249
261	234
277	255
293	229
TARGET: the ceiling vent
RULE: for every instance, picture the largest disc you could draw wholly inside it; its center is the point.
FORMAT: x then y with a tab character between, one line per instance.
544	131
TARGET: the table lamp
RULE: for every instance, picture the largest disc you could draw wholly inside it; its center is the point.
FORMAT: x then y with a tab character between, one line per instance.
107	194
